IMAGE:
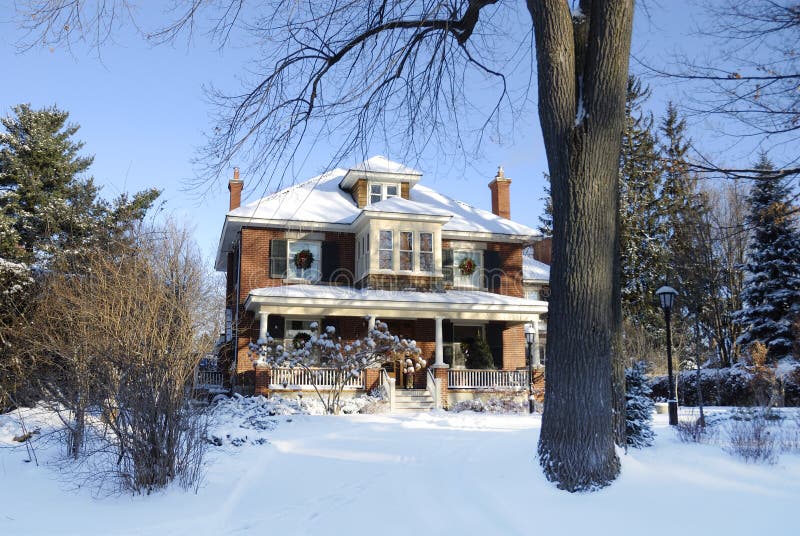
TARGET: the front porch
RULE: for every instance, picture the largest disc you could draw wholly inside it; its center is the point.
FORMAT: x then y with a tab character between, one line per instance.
444	387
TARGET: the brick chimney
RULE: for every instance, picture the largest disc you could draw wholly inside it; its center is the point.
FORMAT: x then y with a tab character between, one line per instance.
235	186
501	198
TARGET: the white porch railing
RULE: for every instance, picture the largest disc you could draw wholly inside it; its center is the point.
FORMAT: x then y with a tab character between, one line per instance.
284	378
205	379
388	383
433	386
487	379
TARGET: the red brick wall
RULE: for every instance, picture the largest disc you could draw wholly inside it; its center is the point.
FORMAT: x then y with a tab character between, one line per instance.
513	347
511	268
255	260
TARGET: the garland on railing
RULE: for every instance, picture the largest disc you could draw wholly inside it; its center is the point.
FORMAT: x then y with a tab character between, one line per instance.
467	266
303	259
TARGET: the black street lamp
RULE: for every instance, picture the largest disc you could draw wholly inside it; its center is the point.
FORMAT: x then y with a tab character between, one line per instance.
666	296
530	338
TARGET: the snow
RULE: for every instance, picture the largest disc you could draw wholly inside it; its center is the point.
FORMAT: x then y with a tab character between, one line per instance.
454	473
533	270
454	297
381	164
320	200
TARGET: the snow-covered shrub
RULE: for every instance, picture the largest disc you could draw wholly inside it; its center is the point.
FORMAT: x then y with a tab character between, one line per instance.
751	437
326	350
492	405
638	407
694	431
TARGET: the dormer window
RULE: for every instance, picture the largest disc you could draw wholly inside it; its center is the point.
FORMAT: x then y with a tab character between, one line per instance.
380	191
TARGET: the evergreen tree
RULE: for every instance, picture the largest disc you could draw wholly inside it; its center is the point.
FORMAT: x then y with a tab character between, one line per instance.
49	211
771	293
546	219
51	218
638	407
642	252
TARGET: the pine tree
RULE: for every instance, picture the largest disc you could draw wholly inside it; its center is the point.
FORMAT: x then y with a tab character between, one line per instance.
771	293
546	219
642	252
51	218
49	211
638	407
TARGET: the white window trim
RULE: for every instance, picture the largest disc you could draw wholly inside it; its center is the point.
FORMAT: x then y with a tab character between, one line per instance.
290	260
479	271
432	252
414	240
395	260
384	193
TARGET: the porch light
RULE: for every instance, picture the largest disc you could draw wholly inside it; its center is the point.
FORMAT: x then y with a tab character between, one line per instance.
666	296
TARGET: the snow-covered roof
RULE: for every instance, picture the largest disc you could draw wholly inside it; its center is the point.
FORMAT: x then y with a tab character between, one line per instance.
318	199
382	169
398	205
381	164
341	293
321	203
533	270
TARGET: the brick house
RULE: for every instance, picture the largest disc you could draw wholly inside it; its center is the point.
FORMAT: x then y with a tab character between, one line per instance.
368	242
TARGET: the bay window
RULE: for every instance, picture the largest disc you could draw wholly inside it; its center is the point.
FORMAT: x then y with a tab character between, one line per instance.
426	252
386	250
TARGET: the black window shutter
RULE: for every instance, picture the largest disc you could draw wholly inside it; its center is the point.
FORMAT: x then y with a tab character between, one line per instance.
277	259
491	269
330	260
447	265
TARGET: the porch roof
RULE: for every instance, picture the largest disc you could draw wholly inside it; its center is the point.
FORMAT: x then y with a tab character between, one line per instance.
320	300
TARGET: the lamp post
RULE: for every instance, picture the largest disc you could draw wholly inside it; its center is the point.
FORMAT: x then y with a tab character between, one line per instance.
666	296
530	338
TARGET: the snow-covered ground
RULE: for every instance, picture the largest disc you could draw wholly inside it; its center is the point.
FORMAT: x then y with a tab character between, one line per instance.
440	473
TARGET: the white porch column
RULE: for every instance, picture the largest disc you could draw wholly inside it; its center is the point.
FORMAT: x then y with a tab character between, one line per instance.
370	322
263	326
535	357
439	344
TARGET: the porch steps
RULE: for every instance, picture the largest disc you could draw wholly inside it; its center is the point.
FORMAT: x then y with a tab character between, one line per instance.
412	401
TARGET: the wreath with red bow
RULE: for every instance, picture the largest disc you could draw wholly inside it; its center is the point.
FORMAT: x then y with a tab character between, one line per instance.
303	259
467	266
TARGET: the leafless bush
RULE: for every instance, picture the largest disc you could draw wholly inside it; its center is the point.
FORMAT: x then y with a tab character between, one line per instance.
120	343
790	436
695	431
751	438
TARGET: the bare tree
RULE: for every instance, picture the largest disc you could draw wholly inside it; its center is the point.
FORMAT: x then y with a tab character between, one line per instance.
750	82
121	341
406	71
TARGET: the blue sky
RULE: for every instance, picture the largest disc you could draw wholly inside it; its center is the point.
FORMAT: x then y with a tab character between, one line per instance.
142	113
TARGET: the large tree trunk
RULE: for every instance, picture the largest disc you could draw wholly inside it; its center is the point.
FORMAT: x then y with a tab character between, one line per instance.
582	77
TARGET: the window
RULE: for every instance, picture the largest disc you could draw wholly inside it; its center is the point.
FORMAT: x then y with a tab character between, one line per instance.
298	268
375	193
406	250
386	249
532	294
466	279
378	192
296	326
425	252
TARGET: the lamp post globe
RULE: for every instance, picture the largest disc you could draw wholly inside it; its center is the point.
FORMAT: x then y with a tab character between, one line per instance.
666	296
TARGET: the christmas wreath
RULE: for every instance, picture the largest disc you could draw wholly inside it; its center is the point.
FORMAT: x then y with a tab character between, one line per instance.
303	259
467	266
299	341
